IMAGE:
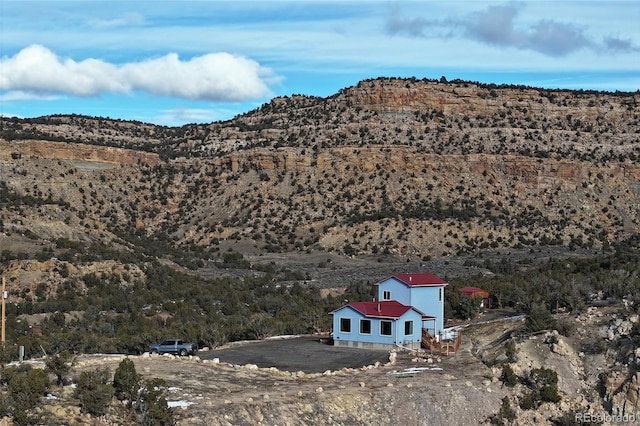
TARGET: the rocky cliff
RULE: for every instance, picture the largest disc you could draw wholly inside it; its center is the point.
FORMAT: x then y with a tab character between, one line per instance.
76	152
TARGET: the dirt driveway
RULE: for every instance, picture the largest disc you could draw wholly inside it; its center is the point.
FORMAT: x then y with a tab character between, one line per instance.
305	353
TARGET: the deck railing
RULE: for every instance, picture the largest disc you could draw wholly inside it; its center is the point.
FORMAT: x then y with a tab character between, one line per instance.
442	347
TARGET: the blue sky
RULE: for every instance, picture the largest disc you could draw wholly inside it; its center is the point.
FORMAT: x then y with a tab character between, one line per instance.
178	62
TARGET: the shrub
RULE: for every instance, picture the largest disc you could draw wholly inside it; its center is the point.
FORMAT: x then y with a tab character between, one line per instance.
468	307
540	318
154	410
543	385
546	381
93	391
528	401
145	397
566	327
511	351
126	382
635	334
506	413
509	378
462	306
26	387
59	365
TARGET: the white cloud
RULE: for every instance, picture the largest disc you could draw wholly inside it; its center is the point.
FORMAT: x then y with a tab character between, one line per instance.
36	69
507	26
496	25
215	76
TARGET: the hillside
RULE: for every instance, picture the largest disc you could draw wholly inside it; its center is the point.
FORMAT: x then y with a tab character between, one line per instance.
415	169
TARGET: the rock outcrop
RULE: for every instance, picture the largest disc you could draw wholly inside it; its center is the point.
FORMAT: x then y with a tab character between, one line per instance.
78	152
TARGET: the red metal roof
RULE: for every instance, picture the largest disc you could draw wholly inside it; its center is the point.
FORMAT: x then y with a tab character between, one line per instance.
473	291
419	279
383	309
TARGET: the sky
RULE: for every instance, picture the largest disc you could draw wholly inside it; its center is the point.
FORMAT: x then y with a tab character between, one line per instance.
179	62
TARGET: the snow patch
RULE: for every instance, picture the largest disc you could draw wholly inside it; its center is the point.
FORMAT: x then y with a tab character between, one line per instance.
174	404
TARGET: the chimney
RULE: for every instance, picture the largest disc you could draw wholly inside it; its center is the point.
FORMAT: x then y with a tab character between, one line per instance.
378	307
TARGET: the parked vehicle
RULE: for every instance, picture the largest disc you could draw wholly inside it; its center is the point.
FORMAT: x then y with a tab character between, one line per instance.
175	347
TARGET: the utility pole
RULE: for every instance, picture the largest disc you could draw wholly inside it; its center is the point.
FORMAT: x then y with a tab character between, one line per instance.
3	312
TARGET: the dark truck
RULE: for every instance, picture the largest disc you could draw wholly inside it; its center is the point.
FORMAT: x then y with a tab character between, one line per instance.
175	347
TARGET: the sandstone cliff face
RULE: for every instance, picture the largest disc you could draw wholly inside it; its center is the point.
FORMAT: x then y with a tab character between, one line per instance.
471	100
78	152
367	159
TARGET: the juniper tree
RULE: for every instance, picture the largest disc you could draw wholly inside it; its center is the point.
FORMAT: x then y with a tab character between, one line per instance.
59	365
93	391
126	382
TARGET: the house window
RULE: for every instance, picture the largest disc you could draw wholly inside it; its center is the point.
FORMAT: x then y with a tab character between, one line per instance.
385	328
365	326
440	294
345	325
386	295
408	328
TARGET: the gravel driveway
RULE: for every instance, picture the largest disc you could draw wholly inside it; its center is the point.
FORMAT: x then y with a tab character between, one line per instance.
305	353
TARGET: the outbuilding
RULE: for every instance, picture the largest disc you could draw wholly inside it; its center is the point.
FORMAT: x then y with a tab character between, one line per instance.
475	292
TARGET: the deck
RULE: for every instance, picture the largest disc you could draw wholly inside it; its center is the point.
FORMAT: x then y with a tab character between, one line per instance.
442	347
